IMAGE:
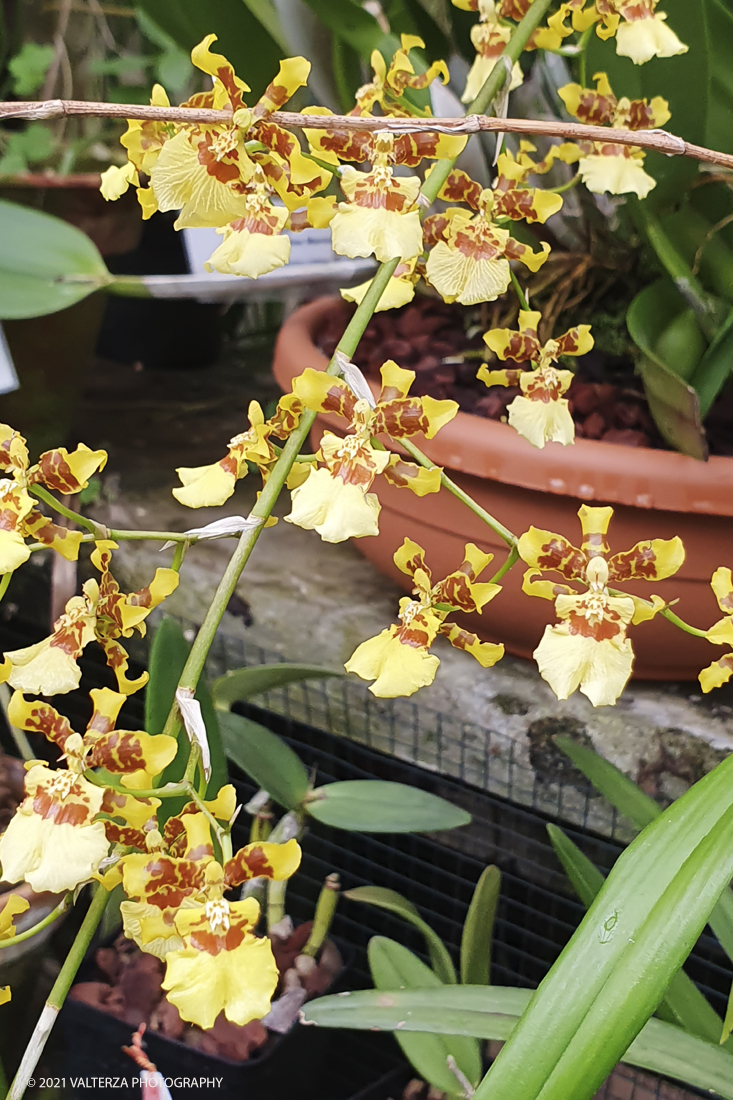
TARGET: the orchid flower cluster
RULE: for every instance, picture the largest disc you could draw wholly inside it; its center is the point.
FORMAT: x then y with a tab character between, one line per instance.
99	815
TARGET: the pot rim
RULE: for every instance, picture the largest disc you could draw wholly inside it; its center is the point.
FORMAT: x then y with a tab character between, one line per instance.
639	477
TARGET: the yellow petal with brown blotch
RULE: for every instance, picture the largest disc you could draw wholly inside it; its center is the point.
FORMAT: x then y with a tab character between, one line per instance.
396	668
717	674
181	182
408	475
486	653
363	231
547	550
410	557
722	586
601	669
65	472
653	560
533	585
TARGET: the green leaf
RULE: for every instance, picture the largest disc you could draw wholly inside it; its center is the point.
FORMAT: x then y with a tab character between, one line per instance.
492	1012
640	810
265	758
242	38
714	369
243	683
392	965
672	402
29	67
683	1003
478	929
45	264
372	806
394	903
633	939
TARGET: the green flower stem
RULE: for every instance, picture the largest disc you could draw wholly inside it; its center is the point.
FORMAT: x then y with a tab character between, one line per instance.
178	555
4	582
276	902
448	483
564	186
677	621
58	994
132	536
583	47
524	304
30	932
511	559
324	914
75	517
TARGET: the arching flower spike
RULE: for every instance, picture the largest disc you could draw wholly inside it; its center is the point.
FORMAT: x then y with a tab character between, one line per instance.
589	649
541	414
399	659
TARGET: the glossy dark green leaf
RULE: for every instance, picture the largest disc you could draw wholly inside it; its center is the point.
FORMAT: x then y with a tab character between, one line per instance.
715	367
393	966
265	758
673	403
243	683
478	929
395	903
45	263
492	1012
683	1003
372	806
640	810
242	38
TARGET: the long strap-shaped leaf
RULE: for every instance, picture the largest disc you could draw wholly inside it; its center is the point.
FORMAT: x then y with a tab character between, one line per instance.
492	1012
636	935
683	1003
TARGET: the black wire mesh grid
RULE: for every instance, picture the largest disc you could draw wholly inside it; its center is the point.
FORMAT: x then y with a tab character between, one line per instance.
510	807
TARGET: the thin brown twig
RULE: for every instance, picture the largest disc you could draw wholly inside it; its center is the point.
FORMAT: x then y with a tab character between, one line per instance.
658	140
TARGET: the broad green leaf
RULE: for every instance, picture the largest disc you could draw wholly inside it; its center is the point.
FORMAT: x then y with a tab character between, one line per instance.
392	965
618	964
242	38
694	237
29	67
714	369
265	758
243	683
492	1012
372	806
683	1003
395	903
45	263
673	403
640	810
478	929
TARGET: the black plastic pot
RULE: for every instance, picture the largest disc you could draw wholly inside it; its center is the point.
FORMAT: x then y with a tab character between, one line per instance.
286	1066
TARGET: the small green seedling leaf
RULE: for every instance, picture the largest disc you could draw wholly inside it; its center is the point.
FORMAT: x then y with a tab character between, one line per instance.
395	903
478	929
394	966
265	758
243	683
372	806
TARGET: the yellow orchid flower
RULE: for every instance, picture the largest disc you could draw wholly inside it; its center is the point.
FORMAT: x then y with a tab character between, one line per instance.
12	906
253	244
58	471
721	633
334	500
541	414
101	613
489	37
135	754
606	166
399	291
589	649
53	841
469	260
399	659
210	486
389	84
641	31
380	217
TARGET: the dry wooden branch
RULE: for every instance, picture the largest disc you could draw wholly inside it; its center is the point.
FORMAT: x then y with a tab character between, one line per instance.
659	140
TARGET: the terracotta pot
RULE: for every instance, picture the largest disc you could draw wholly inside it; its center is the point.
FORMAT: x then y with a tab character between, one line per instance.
655	494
